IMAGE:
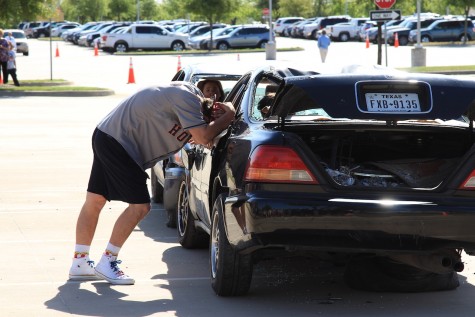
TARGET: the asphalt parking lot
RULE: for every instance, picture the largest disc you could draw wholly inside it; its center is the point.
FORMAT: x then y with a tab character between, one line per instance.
44	167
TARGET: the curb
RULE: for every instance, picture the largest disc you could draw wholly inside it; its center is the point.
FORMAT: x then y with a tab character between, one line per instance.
64	93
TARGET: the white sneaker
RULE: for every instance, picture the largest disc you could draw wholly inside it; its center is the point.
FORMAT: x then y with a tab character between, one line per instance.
111	272
82	269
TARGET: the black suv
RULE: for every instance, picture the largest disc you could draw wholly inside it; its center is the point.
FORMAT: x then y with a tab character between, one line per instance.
445	30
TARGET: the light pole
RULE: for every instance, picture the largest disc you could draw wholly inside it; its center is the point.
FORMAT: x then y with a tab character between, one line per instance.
138	10
418	54
270	46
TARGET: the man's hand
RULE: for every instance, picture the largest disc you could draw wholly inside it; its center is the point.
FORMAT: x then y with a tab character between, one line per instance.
220	108
223	118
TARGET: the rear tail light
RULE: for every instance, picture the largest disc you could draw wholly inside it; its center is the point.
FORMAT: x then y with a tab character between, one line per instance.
277	164
104	38
469	183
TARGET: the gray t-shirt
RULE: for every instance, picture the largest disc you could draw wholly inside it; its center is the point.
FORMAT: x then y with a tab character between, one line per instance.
152	123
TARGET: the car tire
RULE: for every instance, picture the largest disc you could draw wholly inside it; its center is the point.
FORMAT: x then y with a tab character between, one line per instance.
223	46
314	35
344	37
157	188
466	37
121	47
188	236
178	46
382	274
425	39
403	40
231	272
170	201
262	44
26	53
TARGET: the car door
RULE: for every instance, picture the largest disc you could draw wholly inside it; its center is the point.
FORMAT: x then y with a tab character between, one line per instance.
253	37
240	38
441	32
150	36
195	188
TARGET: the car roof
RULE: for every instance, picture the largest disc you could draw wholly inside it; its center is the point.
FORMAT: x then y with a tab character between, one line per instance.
343	95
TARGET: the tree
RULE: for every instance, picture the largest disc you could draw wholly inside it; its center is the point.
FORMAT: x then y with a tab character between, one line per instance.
121	9
149	10
15	11
296	8
211	10
465	5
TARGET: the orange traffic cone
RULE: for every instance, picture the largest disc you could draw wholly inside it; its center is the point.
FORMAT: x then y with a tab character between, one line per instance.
1	79
178	68
367	41
131	73
396	40
96	52
57	50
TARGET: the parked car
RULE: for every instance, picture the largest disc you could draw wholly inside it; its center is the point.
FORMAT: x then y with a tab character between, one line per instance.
77	35
167	176
345	31
362	31
297	28
374	170
69	35
145	37
310	30
201	42
372	33
205	28
242	37
58	30
281	23
403	30
21	41
445	30
98	41
29	26
90	37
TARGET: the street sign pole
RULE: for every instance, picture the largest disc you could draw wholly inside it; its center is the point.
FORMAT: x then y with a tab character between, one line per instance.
418	53
271	46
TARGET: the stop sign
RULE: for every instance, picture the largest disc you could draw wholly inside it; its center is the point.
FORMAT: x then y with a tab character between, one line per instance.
384	4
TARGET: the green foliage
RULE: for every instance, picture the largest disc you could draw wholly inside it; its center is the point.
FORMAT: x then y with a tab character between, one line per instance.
14	11
122	9
227	11
149	10
296	8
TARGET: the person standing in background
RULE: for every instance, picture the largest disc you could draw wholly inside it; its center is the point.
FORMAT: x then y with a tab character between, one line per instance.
4	56
11	65
323	44
11	39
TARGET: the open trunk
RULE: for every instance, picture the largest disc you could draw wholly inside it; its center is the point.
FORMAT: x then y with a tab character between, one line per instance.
413	157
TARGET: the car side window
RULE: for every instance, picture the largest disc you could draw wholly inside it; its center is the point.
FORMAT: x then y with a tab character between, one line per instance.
265	87
237	92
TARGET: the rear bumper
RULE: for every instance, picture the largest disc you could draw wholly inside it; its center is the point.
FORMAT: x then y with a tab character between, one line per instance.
349	225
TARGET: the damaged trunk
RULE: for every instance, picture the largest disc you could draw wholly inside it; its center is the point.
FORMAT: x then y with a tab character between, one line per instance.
391	158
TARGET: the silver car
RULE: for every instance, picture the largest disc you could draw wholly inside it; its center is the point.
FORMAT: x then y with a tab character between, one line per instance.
243	36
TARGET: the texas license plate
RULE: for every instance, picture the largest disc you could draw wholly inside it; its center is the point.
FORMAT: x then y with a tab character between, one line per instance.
392	102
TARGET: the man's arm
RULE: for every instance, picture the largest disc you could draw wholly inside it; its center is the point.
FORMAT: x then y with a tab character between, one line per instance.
206	133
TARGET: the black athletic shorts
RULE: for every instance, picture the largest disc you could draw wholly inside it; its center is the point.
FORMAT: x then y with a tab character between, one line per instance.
114	174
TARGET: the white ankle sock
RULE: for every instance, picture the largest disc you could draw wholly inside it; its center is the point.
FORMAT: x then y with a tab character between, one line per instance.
81	251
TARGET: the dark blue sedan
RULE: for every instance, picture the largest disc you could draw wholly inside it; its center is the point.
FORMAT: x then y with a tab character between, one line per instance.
374	169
